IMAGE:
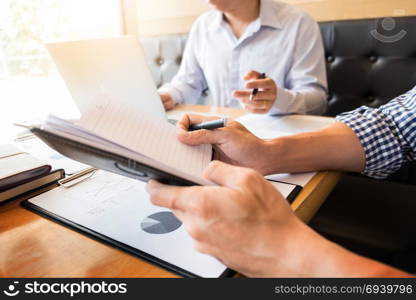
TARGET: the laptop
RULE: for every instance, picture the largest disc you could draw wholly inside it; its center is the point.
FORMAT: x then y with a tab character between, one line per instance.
110	68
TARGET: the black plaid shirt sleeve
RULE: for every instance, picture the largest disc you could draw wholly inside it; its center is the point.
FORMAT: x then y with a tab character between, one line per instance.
387	134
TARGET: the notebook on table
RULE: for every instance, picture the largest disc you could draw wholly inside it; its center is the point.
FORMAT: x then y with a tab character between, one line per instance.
20	172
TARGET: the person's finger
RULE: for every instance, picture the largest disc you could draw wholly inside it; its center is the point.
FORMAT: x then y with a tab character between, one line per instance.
251	75
188	120
192	204
172	197
261	95
241	94
184	122
180	215
264	84
168	105
206	248
227	175
165	97
202	137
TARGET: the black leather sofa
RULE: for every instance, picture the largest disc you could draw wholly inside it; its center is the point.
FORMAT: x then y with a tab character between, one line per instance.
368	64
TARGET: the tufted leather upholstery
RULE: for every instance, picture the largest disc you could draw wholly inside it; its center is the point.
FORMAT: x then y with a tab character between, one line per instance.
361	69
164	56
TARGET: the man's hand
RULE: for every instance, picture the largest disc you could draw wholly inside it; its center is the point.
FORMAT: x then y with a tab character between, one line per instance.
233	144
264	99
167	101
244	222
247	224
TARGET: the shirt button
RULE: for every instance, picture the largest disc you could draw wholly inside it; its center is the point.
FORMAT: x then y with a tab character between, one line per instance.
159	61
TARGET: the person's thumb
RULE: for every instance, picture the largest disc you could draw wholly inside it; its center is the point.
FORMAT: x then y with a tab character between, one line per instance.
227	175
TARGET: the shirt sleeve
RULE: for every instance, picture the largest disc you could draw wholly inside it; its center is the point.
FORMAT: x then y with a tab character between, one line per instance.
306	84
387	134
189	82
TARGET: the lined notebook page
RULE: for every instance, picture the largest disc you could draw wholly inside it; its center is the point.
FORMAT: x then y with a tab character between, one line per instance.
146	135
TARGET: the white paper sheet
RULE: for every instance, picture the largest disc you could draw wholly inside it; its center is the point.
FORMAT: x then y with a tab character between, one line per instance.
269	127
284	188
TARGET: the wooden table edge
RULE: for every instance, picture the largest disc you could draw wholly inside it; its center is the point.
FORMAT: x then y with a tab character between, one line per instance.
314	194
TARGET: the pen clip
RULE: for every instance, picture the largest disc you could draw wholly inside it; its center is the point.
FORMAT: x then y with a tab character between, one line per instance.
77	177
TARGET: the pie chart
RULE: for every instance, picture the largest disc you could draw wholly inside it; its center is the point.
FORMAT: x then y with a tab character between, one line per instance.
160	223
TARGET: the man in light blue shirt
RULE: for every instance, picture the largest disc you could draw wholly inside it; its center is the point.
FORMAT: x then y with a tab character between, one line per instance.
228	48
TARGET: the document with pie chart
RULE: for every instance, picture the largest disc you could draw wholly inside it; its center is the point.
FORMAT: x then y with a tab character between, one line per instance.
117	209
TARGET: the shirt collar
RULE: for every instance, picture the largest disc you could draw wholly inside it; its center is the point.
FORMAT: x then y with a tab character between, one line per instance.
268	17
218	21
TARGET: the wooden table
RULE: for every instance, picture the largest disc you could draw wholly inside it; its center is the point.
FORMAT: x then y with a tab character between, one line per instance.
33	246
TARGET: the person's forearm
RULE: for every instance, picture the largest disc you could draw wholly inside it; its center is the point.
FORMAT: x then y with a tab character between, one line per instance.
333	148
314	256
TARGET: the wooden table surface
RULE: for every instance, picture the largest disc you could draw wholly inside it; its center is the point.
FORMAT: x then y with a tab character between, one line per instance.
33	246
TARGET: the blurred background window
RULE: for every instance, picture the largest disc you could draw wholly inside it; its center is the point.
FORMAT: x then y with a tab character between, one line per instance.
30	86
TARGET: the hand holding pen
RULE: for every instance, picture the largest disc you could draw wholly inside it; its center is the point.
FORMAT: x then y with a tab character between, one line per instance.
261	93
232	142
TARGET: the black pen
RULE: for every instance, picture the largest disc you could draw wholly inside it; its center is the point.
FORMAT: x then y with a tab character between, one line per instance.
255	91
209	125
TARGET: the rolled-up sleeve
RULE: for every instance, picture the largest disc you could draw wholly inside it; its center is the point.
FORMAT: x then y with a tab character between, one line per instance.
387	134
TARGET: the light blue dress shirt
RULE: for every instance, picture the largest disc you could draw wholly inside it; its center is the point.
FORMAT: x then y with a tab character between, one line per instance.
284	42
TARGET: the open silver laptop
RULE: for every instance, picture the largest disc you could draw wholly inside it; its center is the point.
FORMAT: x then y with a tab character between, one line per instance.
110	68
